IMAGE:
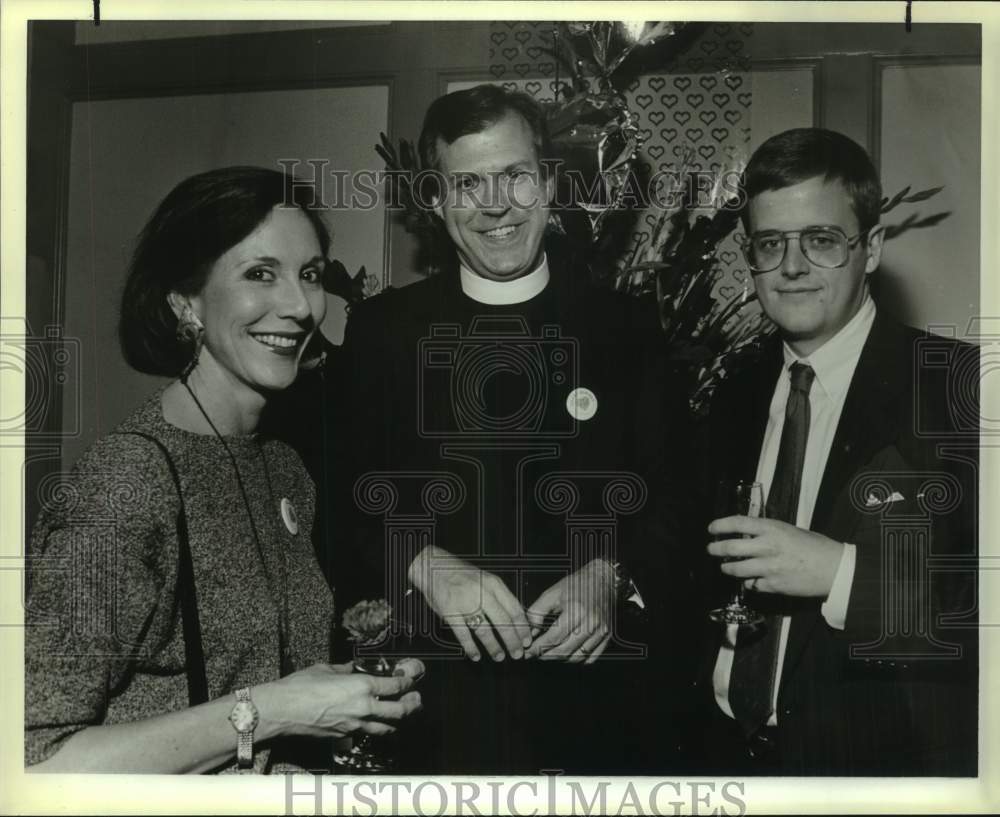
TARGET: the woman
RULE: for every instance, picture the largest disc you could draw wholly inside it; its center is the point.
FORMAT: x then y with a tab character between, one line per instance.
178	620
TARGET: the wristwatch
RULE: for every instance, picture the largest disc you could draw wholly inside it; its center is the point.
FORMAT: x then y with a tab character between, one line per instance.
244	719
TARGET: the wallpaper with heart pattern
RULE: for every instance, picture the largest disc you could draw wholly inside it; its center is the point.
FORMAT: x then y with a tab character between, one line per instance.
699	101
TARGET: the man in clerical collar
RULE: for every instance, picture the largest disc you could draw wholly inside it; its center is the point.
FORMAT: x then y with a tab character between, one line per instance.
495	409
838	660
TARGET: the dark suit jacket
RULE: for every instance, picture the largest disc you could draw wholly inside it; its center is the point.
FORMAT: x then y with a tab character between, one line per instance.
446	422
895	691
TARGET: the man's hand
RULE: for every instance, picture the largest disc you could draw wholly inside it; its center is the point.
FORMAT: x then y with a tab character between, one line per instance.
778	557
461	593
583	602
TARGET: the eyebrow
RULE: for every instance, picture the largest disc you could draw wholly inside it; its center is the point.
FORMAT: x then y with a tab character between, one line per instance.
316	260
522	165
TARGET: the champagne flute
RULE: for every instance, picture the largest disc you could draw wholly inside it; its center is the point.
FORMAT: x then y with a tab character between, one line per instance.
740	499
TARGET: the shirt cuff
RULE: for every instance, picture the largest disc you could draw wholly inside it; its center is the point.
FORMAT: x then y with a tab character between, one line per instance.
834	609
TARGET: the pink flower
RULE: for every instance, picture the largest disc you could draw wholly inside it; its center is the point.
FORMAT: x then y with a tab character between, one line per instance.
368	621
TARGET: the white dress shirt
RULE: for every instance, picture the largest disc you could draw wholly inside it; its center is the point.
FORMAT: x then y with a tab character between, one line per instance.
498	293
834	364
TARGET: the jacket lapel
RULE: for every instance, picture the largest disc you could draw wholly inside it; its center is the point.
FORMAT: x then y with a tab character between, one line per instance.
867	423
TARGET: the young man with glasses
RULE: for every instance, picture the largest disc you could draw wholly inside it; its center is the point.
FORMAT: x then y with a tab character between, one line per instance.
852	669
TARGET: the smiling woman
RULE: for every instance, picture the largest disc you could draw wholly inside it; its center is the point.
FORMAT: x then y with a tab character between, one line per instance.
192	636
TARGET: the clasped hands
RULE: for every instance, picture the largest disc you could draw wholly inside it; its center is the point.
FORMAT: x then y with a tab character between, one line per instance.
482	612
776	557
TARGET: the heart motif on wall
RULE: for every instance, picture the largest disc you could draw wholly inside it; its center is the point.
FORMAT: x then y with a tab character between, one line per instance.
708	117
522	36
656	117
682	117
657	83
498	37
534	51
682	83
643	100
670	100
656	151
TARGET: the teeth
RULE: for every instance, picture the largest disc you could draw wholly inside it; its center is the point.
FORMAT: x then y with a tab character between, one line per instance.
277	340
499	232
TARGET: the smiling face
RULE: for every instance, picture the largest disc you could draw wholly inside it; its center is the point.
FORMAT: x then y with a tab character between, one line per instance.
496	205
261	302
811	304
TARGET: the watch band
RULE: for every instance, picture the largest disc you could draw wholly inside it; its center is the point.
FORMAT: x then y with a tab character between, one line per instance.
244	736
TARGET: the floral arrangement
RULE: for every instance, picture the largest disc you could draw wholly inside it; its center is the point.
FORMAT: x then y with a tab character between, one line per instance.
337	281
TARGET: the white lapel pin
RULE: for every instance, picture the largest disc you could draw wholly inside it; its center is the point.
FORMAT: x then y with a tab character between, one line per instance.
581	403
289	516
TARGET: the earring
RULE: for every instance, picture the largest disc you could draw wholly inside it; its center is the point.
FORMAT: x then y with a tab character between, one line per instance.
190	332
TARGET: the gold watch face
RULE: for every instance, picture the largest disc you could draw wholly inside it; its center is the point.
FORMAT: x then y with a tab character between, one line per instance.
244	716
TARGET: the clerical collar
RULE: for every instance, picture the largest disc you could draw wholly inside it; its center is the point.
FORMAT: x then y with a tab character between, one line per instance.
497	293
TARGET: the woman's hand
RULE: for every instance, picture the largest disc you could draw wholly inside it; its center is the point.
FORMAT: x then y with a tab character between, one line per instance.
331	701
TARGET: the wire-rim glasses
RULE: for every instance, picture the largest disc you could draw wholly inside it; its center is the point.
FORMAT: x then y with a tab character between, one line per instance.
824	246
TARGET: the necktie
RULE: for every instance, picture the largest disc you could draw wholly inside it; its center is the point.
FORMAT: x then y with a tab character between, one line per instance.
751	684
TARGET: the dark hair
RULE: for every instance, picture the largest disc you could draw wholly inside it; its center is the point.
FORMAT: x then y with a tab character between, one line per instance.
804	153
198	221
474	110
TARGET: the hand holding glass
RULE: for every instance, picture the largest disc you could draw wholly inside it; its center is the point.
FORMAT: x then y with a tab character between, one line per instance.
739	499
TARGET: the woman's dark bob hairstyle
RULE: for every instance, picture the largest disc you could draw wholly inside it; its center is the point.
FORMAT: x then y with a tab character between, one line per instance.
200	219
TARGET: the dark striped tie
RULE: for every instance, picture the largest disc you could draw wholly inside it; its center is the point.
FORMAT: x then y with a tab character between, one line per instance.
751	684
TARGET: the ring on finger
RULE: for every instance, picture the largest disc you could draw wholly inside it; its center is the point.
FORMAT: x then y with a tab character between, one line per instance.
474	620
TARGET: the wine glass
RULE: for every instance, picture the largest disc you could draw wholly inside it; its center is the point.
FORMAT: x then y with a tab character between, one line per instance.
369	754
738	499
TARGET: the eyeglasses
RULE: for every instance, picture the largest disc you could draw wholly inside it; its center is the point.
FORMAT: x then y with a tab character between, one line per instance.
827	247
